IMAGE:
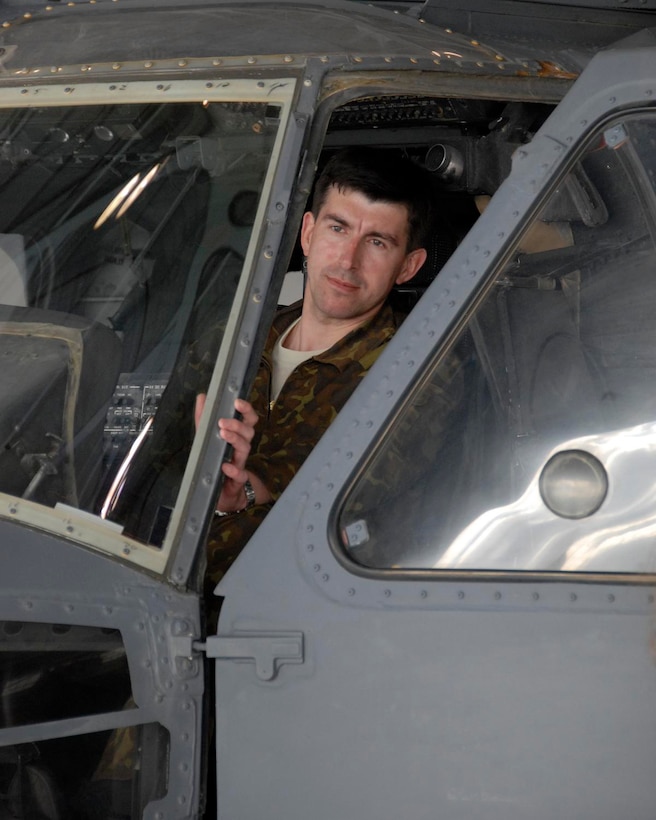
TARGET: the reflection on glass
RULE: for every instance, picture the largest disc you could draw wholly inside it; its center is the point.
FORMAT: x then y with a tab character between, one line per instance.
560	357
55	671
120	256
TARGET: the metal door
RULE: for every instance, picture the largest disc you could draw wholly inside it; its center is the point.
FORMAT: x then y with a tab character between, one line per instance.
357	676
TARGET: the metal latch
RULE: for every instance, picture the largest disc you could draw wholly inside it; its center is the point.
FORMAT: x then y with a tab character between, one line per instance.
269	650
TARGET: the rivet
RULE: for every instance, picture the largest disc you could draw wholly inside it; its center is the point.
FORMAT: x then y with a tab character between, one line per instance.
424	593
182	63
316	567
437	62
414	60
216	61
309	547
6	25
611	598
536	596
448	30
251	61
351	592
148	64
497	596
288	59
325	577
70	528
324	59
27	15
24	91
499	58
475	43
358	59
85	68
307	83
388	593
71	3
461	595
573	596
388	59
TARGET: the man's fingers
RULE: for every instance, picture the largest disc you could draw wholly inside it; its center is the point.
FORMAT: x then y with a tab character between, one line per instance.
236	427
248	414
231	470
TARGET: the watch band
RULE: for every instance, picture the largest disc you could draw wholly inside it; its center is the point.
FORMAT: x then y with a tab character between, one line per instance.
250	495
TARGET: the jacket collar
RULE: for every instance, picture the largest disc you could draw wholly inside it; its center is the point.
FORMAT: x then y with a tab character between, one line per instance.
355	346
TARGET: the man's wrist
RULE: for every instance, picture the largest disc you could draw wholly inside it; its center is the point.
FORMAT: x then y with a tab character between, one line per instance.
249	493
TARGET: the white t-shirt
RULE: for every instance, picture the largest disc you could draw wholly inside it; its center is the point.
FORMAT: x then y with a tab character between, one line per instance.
285	360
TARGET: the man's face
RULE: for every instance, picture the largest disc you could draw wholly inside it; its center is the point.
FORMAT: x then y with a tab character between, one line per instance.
356	251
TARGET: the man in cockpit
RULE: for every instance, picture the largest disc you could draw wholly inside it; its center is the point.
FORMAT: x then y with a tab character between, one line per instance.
366	232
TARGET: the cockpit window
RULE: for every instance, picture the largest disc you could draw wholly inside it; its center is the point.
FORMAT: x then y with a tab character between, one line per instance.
125	232
530	444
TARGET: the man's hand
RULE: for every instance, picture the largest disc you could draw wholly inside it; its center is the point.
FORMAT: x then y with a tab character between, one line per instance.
239	434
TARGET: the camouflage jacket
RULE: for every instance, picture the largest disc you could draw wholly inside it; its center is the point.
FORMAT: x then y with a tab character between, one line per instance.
289	428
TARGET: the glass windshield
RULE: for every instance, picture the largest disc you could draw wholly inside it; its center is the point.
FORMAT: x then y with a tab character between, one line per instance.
530	443
125	230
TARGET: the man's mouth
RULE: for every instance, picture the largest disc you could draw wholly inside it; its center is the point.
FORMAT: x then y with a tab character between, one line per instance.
343	284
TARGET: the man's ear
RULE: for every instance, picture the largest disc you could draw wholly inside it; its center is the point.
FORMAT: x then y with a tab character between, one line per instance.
307	227
413	261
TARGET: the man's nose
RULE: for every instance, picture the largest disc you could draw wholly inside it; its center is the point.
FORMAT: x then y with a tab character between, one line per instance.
350	253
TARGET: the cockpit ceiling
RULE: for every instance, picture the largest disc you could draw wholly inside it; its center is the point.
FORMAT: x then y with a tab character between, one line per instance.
79	34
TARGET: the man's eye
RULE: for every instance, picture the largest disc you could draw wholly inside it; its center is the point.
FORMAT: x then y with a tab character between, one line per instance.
378	242
337	228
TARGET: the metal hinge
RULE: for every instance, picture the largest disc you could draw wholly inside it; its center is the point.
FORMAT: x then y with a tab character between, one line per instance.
269	650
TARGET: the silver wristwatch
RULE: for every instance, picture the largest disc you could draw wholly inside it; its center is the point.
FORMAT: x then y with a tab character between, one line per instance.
250	495
250	501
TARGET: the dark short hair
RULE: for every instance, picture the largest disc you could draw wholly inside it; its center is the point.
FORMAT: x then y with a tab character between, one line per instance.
382	176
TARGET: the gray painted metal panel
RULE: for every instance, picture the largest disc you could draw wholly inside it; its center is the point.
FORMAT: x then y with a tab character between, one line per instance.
46	580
